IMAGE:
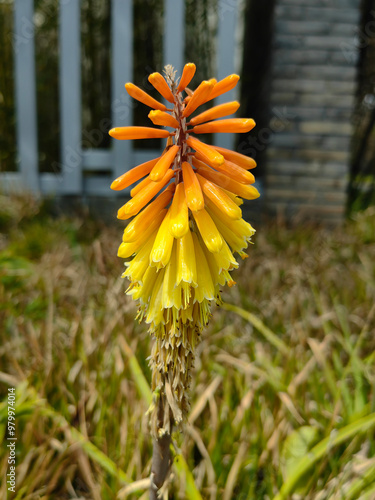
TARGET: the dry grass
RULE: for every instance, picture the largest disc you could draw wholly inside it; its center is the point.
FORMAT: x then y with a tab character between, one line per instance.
282	398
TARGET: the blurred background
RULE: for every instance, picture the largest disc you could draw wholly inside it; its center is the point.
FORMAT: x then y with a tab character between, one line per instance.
282	394
307	78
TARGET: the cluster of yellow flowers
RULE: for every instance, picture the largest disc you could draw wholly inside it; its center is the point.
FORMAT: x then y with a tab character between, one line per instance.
187	221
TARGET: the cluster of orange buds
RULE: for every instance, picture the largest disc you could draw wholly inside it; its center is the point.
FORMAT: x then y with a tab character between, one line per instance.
187	220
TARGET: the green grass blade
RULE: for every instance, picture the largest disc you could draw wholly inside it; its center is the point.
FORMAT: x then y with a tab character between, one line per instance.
260	326
138	375
322	448
183	470
360	484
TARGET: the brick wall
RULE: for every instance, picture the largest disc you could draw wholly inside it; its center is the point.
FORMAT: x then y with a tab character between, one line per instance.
312	98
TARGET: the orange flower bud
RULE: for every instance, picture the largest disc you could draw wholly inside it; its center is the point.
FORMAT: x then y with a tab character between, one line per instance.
208	151
143	97
225	85
162	118
186	77
243	161
225	109
193	192
160	169
199	97
133	175
126	133
231	125
158	81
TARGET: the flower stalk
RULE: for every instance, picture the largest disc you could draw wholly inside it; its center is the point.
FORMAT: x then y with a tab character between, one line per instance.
187	225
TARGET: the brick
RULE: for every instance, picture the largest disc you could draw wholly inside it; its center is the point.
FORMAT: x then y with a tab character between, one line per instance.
308	183
315	72
312	168
307	113
308	155
307	27
326	128
345	54
299	141
306	99
314	13
309	196
314	86
310	42
297	213
302	27
338	4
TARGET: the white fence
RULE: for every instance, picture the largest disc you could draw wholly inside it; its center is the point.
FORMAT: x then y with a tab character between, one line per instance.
75	160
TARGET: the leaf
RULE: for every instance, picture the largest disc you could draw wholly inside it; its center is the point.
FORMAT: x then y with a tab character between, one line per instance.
296	446
323	448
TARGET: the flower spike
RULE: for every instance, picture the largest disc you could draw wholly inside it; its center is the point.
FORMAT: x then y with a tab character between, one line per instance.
186	225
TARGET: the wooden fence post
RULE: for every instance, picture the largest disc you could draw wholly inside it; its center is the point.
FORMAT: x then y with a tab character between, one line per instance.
25	94
70	97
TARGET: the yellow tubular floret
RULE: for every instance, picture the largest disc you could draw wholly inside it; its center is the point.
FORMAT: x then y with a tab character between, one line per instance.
208	231
133	206
245	191
225	259
186	265
153	224
141	185
161	167
137	267
186	77
219	111
171	296
127	249
179	213
144	290
161	251
212	265
239	227
193	192
140	223
155	309
221	200
205	288
237	200
237	243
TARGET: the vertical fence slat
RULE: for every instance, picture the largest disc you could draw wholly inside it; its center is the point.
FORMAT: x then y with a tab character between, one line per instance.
174	33
70	96
122	72
25	94
226	49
